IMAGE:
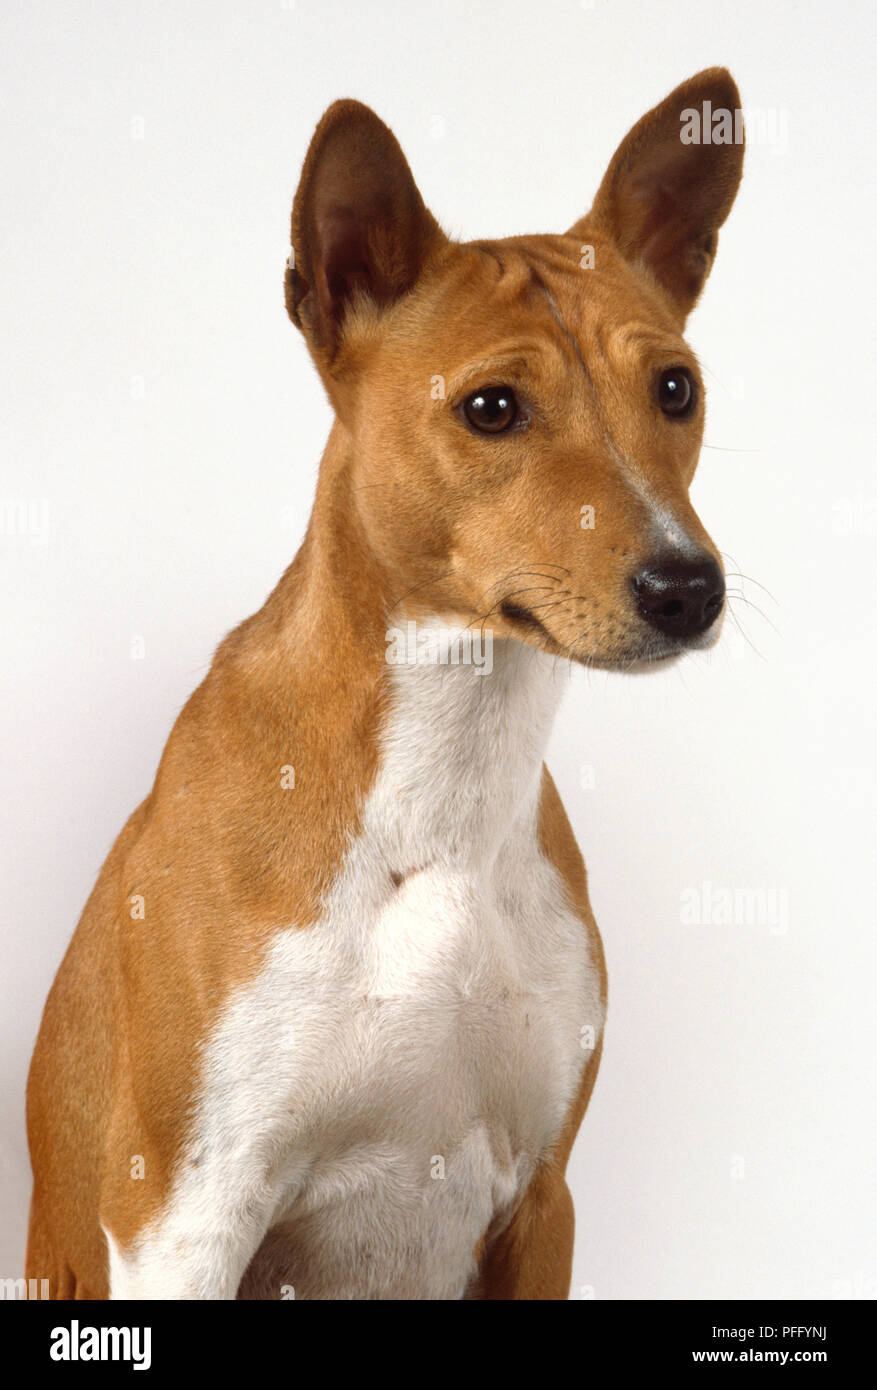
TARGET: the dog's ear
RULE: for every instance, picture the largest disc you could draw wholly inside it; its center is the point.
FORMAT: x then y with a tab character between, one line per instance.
671	184
359	225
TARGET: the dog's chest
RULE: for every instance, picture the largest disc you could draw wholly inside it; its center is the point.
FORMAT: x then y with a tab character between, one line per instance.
409	1066
395	1072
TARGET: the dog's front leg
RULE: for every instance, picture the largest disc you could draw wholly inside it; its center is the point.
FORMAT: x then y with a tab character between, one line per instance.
195	1250
191	1236
532	1258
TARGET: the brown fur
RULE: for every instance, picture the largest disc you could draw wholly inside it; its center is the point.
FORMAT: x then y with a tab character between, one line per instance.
410	504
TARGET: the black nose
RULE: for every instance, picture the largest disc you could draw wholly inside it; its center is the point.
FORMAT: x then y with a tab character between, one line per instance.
680	597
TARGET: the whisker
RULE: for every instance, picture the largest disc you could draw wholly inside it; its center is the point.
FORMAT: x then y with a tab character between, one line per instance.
738	574
724	449
432	580
744	634
533	589
741	598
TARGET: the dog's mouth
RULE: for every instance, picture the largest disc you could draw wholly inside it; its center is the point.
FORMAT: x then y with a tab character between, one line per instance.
527	623
521	617
529	626
644	656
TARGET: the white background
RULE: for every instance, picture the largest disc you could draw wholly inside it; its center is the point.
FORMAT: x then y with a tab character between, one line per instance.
157	399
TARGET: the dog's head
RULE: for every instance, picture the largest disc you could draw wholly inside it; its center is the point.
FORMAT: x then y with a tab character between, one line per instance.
522	418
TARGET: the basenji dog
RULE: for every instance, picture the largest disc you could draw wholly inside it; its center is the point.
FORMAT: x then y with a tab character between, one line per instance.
333	1012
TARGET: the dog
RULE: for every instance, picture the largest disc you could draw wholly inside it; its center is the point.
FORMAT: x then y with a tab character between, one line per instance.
334	1010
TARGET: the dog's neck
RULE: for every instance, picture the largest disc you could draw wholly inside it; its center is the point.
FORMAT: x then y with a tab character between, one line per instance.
459	720
462	746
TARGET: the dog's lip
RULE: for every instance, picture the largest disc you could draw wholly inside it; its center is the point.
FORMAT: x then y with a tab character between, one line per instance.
517	613
522	618
637	663
634	662
646	658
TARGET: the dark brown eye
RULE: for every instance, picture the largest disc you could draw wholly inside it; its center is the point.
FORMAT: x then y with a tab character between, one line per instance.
676	394
492	410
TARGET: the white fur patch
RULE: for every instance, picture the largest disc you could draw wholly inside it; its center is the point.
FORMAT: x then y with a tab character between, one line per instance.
387	1085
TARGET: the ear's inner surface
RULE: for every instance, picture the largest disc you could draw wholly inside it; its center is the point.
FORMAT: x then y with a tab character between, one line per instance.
358	225
342	264
664	198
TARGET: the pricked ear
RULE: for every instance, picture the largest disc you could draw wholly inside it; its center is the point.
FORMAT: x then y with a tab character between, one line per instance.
359	224
671	184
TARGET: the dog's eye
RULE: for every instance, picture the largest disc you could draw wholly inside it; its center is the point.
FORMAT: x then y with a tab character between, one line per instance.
676	393
492	410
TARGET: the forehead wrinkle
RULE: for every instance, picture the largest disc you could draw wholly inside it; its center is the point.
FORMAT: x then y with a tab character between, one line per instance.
639	484
571	339
511	288
637	334
631	475
503	361
468	277
483	277
486	249
512	267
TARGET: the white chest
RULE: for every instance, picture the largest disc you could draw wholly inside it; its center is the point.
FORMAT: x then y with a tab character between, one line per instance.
390	1080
